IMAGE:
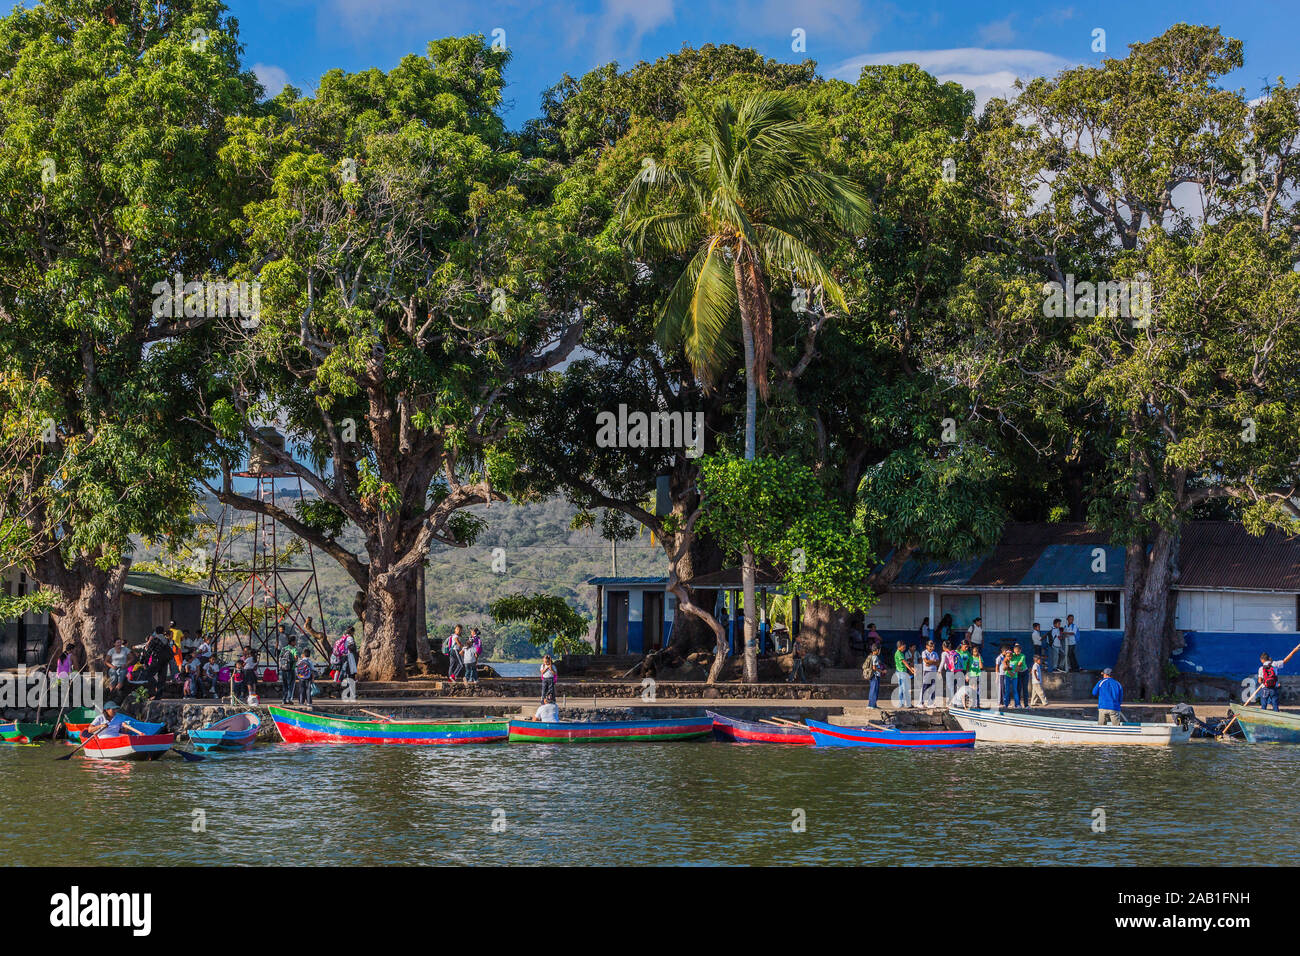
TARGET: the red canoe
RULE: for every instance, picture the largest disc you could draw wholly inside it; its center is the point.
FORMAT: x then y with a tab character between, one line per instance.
748	731
129	746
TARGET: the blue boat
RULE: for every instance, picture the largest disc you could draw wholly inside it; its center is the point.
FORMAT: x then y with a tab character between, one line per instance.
832	735
1267	726
236	732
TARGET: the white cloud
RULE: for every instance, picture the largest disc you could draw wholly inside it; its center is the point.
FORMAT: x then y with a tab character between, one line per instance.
999	31
988	73
271	77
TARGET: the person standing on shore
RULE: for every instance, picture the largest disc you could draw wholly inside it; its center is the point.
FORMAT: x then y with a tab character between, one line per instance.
302	676
452	647
1005	677
1071	639
1036	639
249	667
1021	685
953	674
548	679
924	631
1058	645
469	657
1037	697
872	670
347	667
929	673
288	663
1267	678
1110	699
974	666
903	672
944	633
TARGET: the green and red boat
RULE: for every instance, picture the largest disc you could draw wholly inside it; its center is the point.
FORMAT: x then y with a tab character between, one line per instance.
21	731
599	731
307	727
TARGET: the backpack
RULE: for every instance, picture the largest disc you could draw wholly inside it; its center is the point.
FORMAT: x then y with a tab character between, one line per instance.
340	649
303	669
287	659
1270	677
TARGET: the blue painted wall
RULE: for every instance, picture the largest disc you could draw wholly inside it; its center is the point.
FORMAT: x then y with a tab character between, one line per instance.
1233	655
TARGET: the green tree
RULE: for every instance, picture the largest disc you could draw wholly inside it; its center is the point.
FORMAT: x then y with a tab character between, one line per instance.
411	275
549	619
112	117
744	208
1150	200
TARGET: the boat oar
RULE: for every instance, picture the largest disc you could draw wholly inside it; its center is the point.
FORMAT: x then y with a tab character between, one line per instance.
55	734
780	722
1224	732
192	758
371	713
86	737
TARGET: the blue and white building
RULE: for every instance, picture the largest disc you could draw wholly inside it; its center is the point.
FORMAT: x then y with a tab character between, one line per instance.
1237	595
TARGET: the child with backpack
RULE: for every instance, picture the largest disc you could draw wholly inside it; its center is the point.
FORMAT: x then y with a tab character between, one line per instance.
288	668
1267	677
344	660
303	677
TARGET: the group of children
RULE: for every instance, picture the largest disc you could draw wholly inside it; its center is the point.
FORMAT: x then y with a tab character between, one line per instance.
462	655
1020	683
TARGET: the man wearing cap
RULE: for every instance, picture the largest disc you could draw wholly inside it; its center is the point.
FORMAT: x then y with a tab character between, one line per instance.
1110	698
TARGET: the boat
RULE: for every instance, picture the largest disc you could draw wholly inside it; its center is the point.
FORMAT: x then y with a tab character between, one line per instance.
129	746
21	728
995	726
236	732
1267	726
757	732
302	727
834	735
596	731
77	720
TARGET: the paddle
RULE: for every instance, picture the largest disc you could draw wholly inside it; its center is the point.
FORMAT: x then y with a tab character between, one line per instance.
192	758
1224	732
371	713
86	736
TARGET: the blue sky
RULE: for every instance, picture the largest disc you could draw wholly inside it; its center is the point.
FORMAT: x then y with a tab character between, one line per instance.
981	44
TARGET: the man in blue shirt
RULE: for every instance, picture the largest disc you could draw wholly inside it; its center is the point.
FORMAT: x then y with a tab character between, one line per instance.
1110	698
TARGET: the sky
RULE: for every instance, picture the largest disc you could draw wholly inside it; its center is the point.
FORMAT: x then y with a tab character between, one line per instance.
983	45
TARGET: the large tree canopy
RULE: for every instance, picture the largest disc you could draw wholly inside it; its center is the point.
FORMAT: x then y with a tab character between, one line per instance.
411	276
113	118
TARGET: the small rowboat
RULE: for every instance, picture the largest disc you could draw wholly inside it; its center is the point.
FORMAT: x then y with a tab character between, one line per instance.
595	731
19	728
754	732
129	746
832	735
77	720
1022	728
1267	726
301	727
236	732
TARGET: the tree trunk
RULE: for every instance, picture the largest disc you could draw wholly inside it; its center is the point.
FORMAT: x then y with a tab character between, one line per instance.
824	631
89	607
1148	626
417	636
388	616
748	565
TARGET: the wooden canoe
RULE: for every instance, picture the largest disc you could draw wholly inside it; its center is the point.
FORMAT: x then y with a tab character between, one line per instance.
129	746
1018	727
755	732
833	735
236	732
303	727
1267	726
596	731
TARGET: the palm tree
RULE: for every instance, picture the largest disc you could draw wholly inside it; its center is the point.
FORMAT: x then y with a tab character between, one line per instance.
752	203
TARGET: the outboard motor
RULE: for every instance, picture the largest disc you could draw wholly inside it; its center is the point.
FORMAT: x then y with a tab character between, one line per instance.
1184	716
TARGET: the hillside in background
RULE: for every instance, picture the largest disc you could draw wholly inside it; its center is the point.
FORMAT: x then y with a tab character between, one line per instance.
540	552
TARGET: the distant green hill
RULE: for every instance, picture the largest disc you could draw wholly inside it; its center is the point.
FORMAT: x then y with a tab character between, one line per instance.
540	552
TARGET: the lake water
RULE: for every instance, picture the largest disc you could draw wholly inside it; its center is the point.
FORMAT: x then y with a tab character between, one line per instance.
700	802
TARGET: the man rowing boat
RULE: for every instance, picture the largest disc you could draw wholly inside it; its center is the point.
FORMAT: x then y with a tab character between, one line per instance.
111	721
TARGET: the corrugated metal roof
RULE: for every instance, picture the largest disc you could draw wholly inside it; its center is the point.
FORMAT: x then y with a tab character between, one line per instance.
626	582
1071	566
146	583
1222	554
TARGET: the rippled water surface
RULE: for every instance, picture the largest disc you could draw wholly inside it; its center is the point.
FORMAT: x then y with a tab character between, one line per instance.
675	803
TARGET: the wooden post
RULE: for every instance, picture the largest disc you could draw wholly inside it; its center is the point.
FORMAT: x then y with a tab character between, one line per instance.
600	617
